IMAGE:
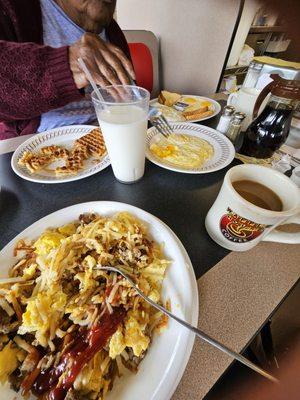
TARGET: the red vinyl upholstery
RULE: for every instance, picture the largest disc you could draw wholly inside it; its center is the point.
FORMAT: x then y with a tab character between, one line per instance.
143	65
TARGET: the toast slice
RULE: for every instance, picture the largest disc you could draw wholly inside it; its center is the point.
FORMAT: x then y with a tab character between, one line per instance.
93	142
194	109
168	98
198	115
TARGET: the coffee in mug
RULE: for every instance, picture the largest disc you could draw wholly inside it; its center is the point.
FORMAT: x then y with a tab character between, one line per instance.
258	194
253	201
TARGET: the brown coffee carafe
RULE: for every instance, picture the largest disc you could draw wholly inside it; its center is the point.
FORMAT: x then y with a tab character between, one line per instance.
270	130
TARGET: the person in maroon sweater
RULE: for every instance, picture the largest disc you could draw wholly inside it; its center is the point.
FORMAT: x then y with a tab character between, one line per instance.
35	78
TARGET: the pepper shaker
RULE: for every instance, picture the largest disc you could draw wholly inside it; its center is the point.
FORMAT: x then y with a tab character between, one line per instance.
234	131
225	119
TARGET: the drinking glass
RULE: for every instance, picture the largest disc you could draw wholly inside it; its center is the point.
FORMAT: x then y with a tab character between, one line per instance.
123	117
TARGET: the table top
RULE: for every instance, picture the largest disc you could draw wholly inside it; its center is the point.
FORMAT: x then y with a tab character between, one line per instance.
236	298
180	200
231	286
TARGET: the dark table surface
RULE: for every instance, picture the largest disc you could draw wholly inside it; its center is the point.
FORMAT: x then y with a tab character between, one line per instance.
180	200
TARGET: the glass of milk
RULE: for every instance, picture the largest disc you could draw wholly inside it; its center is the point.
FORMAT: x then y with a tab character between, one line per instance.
123	118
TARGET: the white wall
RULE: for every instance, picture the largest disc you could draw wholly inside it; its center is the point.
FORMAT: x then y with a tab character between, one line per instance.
194	35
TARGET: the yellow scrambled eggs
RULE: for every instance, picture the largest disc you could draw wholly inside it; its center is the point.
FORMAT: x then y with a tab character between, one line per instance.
183	150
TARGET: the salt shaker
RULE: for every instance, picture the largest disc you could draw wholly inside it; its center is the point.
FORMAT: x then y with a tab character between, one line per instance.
253	74
225	119
234	130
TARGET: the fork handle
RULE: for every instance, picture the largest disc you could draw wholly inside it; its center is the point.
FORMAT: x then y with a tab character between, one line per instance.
210	340
197	331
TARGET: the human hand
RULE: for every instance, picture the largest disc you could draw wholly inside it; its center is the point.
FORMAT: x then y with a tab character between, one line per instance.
107	63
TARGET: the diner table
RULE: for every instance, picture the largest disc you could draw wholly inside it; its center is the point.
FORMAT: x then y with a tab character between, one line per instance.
238	292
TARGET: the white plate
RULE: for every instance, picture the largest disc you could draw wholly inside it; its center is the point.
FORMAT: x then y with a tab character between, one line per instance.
63	136
215	106
161	370
224	151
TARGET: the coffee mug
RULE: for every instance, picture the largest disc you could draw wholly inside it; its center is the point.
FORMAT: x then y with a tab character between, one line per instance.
237	224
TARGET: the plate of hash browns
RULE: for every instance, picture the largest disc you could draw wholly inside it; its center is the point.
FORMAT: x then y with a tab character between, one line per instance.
61	155
71	331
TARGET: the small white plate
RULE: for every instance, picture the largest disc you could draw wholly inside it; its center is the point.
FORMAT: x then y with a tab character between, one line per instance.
224	151
163	366
215	106
64	136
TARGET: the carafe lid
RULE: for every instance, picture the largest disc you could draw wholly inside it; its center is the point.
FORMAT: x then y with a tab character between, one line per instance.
289	89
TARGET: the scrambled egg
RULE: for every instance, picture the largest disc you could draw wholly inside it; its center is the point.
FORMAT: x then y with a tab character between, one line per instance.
42	314
47	241
117	343
86	277
165	151
8	361
132	336
183	150
134	333
52	239
67	230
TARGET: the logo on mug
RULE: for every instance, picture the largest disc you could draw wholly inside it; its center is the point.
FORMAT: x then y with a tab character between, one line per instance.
238	229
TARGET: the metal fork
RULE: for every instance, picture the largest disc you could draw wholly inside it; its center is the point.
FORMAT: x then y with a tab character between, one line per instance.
198	332
158	120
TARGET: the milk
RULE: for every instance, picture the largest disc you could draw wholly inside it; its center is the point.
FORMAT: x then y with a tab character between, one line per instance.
124	130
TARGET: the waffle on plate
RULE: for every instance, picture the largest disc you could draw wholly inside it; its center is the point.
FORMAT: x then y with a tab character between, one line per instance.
93	142
89	145
35	162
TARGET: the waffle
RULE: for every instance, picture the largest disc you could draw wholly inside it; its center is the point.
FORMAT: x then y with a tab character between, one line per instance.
74	162
65	170
34	162
81	151
55	151
88	145
94	143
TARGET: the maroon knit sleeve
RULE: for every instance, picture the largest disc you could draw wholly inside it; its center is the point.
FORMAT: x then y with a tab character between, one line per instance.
34	79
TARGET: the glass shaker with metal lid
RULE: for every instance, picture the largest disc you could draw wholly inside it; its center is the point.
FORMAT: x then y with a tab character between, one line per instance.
234	130
253	74
270	130
226	116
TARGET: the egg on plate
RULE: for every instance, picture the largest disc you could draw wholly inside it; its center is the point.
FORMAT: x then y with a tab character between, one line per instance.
183	150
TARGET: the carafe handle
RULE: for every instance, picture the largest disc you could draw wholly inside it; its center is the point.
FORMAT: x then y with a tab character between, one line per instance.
232	99
263	94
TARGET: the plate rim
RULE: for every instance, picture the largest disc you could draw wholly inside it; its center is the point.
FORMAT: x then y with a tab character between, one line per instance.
187	171
194	293
216	103
72	178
